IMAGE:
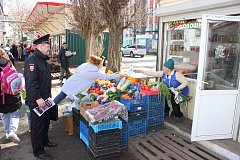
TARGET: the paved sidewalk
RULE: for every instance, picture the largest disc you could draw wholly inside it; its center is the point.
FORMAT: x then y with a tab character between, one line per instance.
69	147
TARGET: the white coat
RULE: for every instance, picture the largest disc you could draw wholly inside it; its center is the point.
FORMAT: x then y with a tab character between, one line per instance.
85	75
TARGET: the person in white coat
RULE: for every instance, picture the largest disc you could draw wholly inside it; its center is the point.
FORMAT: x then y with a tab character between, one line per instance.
85	75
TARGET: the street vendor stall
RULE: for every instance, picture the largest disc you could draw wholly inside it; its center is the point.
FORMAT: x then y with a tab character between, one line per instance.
111	112
202	37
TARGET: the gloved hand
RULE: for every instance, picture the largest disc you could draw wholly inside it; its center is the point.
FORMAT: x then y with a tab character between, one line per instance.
74	53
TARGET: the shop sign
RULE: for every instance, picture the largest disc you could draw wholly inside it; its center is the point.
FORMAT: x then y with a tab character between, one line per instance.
177	25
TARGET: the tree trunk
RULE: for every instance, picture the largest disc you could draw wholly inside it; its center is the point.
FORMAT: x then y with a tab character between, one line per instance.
87	46
114	57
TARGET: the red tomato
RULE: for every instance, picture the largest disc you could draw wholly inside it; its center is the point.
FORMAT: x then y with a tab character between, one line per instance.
147	88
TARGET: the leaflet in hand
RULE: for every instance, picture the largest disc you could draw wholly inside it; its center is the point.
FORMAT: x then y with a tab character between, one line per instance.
41	110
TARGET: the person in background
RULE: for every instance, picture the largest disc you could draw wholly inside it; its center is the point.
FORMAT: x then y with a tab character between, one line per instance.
63	60
20	52
172	79
25	53
11	108
10	55
85	75
38	89
14	52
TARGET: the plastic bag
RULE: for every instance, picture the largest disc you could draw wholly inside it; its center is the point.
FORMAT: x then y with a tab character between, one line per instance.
68	109
106	112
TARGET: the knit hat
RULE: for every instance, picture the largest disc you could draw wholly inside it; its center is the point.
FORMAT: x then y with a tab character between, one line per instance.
169	64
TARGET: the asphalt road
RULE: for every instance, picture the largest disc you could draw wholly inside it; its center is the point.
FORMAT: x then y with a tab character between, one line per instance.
148	63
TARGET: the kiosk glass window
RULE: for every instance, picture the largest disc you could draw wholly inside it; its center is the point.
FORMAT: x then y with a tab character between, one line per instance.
183	44
222	60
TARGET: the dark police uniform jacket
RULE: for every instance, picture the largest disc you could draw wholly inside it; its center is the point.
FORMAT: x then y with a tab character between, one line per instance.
37	78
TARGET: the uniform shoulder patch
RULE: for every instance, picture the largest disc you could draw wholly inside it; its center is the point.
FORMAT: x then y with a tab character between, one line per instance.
31	67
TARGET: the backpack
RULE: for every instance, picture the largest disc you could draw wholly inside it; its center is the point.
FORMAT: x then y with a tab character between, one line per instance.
11	81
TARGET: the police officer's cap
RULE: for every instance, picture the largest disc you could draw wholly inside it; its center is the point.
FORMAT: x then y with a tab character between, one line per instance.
42	40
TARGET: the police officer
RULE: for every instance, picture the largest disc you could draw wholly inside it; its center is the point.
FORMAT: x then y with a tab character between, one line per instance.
38	88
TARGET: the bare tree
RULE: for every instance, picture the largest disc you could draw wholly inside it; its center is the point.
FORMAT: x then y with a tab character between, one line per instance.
119	15
87	21
18	11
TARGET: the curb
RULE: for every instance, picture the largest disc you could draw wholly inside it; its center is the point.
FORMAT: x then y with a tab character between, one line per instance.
208	144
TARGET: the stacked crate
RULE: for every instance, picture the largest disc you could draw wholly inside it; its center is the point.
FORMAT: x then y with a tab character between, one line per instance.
137	116
104	140
76	121
155	114
84	130
124	135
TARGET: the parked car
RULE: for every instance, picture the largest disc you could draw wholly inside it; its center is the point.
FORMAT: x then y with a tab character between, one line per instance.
134	50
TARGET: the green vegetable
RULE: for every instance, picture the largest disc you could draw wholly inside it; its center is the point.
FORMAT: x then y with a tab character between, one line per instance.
80	96
125	85
164	90
93	97
121	83
110	92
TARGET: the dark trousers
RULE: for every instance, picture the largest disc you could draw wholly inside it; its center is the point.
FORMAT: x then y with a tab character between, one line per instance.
62	71
176	107
39	131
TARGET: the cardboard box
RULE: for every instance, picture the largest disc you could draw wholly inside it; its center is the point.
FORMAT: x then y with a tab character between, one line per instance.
87	105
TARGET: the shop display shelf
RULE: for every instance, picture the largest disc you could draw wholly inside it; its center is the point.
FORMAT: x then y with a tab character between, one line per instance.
137	127
137	116
113	124
133	104
84	139
111	156
84	129
103	150
155	120
103	137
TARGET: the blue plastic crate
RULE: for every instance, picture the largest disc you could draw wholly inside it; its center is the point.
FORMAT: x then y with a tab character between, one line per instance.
154	106
137	127
84	129
154	113
155	120
133	104
85	139
131	86
151	98
114	124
